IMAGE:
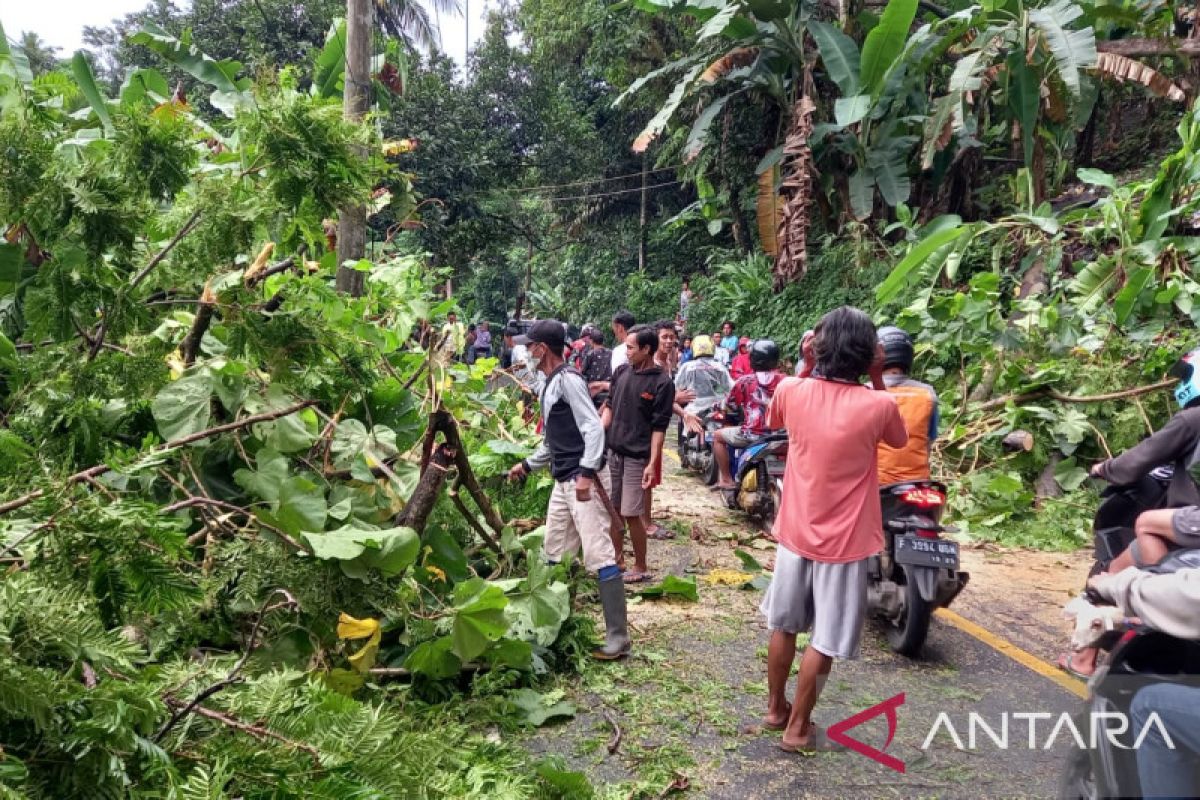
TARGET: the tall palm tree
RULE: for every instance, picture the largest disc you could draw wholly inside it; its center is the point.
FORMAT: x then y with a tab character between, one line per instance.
411	20
42	57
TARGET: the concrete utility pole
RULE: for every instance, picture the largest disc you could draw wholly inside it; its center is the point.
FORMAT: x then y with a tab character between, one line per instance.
352	221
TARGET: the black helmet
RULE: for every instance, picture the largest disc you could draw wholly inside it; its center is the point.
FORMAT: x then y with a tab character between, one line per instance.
764	355
897	347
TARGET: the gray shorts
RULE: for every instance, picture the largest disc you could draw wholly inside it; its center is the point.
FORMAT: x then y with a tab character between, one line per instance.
735	439
1185	527
828	599
628	496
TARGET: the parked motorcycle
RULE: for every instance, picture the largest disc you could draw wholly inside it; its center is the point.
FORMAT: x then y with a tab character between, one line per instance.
1131	660
695	450
917	570
758	475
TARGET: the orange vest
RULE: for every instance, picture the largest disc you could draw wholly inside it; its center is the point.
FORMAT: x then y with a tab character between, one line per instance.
911	462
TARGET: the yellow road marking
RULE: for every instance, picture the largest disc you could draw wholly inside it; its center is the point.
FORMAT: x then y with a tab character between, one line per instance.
1022	657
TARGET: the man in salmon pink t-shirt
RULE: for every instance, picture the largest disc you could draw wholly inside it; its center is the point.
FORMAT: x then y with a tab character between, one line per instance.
829	521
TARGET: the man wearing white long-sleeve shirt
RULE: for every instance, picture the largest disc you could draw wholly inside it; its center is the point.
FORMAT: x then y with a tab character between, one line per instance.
573	449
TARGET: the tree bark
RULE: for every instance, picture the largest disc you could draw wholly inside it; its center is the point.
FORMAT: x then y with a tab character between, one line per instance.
416	511
642	215
356	102
1135	47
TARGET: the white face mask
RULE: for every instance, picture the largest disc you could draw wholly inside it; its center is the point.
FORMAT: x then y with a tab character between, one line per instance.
763	377
531	360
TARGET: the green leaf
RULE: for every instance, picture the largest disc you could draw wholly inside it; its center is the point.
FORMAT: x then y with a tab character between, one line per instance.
1094	283
917	256
288	434
1069	475
563	782
1073	50
184	407
14	61
891	174
840	55
1096	177
849	110
674	586
434	659
1024	99
537	709
509	653
749	562
719	22
301	506
331	61
12	260
699	131
389	551
222	75
82	70
479	617
1126	299
267	480
538	614
658	122
1005	484
885	43
862	193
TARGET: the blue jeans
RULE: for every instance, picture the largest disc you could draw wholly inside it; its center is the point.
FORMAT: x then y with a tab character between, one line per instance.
1166	772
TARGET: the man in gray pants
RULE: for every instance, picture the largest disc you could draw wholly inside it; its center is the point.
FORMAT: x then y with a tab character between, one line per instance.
573	449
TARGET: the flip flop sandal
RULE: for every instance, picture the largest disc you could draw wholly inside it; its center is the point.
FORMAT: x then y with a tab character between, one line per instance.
821	744
780	726
637	577
1064	663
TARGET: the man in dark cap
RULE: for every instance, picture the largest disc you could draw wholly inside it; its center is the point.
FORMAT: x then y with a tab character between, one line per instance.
573	449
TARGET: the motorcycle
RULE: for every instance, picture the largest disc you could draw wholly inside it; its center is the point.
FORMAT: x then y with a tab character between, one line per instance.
1133	659
1112	527
917	570
758	475
695	450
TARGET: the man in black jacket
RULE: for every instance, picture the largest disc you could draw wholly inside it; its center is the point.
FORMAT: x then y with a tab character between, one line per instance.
641	400
573	449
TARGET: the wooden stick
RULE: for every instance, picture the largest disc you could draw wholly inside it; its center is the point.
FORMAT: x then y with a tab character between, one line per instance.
1071	398
488	539
230	507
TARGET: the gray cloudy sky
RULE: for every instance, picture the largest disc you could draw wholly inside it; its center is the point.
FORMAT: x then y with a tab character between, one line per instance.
60	22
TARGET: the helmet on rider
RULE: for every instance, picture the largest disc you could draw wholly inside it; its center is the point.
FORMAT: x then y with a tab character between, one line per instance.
764	355
897	347
702	346
1188	390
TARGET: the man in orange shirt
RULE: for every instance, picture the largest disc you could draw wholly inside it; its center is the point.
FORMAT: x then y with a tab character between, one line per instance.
829	521
918	404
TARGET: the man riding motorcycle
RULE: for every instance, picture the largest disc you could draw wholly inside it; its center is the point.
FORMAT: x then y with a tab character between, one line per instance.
918	404
704	376
747	401
1175	444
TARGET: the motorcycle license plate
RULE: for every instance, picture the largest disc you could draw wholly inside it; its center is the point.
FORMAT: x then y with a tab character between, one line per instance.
921	552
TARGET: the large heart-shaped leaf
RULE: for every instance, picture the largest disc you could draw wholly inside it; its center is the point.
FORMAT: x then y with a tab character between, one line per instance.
184	407
479	617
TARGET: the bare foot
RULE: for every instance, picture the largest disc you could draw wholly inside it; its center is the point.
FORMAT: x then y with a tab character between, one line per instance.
814	740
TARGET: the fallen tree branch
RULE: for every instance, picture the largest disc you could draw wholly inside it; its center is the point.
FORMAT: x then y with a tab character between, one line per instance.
100	469
187	228
256	731
614	744
466	475
1136	46
206	306
192	502
233	676
1072	398
488	539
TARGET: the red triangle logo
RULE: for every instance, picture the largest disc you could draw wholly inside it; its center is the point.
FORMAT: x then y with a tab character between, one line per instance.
837	732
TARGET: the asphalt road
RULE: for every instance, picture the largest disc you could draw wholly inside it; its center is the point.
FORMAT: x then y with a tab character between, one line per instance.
695	690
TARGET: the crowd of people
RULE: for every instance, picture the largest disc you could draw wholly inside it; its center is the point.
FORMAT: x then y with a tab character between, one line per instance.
605	417
606	411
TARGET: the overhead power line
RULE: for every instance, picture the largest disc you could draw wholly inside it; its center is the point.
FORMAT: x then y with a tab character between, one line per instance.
611	194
